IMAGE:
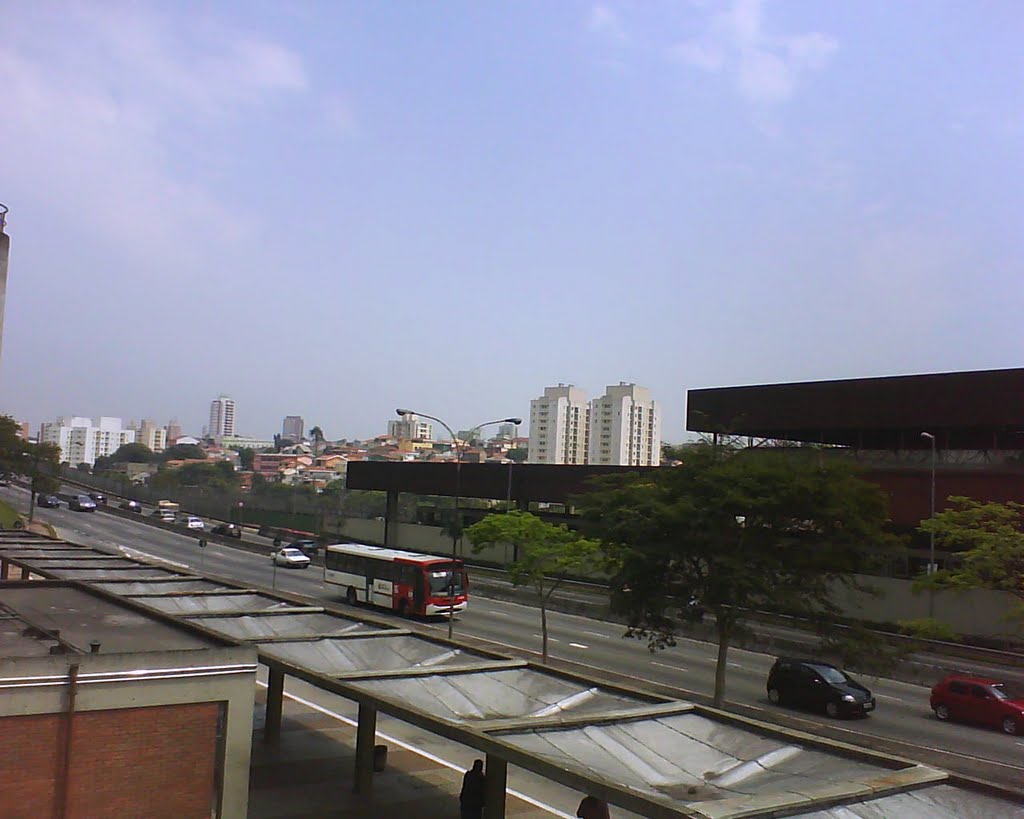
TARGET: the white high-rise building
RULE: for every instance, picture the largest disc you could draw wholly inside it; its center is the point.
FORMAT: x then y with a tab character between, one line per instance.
222	417
293	428
412	428
151	435
625	427
82	441
559	426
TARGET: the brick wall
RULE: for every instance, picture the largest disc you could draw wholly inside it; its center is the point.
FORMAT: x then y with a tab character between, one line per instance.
147	763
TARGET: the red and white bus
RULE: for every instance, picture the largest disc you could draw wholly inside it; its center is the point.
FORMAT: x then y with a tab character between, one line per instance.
406	582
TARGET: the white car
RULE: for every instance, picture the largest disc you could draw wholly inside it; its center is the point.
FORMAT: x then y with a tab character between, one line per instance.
291	557
193	522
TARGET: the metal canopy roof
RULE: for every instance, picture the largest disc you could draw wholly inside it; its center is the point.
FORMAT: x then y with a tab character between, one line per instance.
649	754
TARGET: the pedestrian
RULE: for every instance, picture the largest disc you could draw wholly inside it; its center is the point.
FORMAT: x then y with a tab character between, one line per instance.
471	799
593	808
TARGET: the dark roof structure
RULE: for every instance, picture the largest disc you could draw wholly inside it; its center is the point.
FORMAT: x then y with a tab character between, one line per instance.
978	410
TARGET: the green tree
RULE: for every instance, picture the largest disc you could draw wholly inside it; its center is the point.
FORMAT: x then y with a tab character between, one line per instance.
734	530
183	452
517	455
989	538
245	456
317	435
133	453
545	554
14	450
35	461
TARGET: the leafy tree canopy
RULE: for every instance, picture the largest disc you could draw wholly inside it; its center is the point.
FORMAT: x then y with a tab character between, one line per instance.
133	453
245	456
734	530
518	454
990	539
544	553
184	452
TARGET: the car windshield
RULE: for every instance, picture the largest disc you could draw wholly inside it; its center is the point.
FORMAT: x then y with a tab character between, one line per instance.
830	674
292	553
441	582
1004	691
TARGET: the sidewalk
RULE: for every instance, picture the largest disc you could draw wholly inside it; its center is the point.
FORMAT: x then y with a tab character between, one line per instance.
309	774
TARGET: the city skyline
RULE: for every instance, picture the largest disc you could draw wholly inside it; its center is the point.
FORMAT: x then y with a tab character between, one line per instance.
684	195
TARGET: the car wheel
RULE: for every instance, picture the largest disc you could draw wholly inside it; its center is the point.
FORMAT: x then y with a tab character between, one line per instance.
832	709
350	596
942	712
1009	725
775	696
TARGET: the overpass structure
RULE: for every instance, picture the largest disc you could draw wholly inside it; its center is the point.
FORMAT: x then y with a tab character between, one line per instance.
659	757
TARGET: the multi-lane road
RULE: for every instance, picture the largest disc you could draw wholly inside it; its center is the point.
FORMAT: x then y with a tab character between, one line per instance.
903	722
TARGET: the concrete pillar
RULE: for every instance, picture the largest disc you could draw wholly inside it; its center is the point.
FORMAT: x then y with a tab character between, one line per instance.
4	566
25	572
391	519
275	698
366	734
496	769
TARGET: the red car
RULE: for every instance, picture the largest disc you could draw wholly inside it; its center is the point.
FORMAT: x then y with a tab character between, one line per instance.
976	699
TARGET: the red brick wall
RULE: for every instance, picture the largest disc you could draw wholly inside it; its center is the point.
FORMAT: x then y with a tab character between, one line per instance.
147	763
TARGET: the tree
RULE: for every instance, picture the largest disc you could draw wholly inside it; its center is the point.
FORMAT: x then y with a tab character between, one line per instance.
545	554
734	530
518	455
245	456
183	452
36	461
13	448
990	540
134	453
317	435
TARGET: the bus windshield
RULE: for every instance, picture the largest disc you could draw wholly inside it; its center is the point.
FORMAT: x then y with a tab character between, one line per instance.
441	581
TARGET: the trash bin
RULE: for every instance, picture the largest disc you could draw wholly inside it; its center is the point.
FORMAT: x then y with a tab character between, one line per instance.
380	757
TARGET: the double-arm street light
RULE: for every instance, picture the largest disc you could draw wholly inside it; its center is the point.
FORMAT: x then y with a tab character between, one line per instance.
931	534
457	526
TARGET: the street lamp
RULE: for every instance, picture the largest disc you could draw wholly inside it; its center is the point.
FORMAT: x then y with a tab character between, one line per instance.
931	534
457	527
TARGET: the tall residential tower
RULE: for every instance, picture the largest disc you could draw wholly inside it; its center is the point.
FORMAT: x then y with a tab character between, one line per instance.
222	417
559	426
625	427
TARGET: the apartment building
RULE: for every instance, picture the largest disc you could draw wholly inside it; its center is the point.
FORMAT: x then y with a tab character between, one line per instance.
625	427
82	441
411	427
293	428
222	417
151	435
559	426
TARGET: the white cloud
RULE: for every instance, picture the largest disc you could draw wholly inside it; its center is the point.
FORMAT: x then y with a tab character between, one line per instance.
604	21
766	68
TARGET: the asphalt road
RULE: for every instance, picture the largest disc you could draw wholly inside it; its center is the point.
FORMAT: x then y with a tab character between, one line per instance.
903	714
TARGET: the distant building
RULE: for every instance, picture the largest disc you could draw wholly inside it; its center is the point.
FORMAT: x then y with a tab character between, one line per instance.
242	441
559	426
222	417
149	434
506	431
173	432
82	441
411	427
293	427
625	427
24	430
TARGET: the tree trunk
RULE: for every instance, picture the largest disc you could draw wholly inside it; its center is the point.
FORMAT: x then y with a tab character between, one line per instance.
544	629
724	636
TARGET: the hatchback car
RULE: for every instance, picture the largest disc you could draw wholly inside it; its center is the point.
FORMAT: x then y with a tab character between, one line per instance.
82	503
307	546
291	557
818	685
131	505
228	530
194	522
48	501
98	497
980	700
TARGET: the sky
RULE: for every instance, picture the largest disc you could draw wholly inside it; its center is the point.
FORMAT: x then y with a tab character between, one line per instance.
335	209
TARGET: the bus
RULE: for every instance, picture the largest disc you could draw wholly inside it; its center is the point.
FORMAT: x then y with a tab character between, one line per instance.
407	582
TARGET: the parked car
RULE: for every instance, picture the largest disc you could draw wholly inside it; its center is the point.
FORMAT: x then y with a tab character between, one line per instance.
98	497
48	501
194	522
818	685
980	700
82	503
291	557
131	505
228	530
308	546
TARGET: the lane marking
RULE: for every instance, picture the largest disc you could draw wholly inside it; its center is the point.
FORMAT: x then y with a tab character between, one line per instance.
418	751
672	667
578	645
734	665
595	634
550	638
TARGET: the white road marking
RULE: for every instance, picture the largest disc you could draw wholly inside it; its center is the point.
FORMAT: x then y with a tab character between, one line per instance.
550	638
888	697
578	645
595	633
500	614
734	665
673	667
419	751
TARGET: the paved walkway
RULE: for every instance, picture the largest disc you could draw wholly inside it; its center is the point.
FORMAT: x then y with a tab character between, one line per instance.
309	774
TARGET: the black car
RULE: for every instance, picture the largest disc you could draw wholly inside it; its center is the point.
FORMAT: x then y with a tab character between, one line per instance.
227	529
818	685
98	497
131	505
48	501
82	503
308	545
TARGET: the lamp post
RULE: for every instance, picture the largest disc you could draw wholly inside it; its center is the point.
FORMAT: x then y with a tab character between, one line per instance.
931	534
457	526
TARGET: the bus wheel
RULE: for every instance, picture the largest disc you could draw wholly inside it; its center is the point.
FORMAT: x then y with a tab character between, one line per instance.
350	596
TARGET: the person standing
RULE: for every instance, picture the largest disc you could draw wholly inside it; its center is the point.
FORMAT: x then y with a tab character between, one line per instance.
471	799
593	808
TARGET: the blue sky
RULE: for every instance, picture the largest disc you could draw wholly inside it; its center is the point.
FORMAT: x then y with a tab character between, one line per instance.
335	209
